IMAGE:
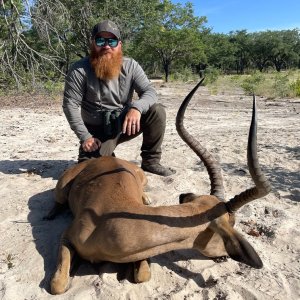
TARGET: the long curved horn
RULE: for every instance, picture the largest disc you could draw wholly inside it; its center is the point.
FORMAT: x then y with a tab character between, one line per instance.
212	166
262	186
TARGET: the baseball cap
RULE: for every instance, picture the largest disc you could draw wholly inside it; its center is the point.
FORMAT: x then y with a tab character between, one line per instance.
107	26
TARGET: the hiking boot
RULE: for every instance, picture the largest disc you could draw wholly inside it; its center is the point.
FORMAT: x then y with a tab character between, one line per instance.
158	169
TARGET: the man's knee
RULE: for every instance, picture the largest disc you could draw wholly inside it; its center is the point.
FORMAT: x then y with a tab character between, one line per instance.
159	110
156	114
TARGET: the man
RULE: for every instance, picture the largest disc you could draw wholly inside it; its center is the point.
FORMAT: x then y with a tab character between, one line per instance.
99	107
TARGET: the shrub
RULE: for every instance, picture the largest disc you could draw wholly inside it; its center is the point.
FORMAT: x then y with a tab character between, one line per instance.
52	87
251	83
184	75
281	85
211	75
295	87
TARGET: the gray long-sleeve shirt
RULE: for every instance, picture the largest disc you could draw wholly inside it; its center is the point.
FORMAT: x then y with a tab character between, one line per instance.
85	95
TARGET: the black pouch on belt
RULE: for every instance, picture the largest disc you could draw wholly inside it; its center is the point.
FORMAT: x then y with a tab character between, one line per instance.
112	121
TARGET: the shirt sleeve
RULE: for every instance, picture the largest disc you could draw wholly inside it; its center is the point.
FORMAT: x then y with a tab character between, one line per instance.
75	85
143	87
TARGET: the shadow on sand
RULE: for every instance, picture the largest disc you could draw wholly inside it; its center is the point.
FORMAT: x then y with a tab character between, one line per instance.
46	233
44	168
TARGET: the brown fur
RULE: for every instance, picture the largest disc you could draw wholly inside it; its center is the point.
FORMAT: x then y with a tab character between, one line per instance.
112	223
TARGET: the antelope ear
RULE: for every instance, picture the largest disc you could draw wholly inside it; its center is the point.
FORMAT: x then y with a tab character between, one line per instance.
240	250
188	197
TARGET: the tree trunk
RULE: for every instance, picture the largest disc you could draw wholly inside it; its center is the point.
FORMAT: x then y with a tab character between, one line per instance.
167	68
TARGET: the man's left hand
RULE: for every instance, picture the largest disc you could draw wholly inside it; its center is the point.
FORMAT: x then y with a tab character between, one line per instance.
131	123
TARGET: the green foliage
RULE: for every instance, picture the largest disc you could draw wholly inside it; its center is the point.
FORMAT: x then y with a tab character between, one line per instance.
269	85
172	39
241	49
219	52
295	87
7	83
242	52
184	75
53	88
211	75
251	82
40	39
281	85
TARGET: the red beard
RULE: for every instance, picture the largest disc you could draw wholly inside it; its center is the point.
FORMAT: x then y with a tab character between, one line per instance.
106	66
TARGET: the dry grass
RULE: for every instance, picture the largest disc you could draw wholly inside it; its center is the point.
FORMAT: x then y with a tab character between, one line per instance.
268	85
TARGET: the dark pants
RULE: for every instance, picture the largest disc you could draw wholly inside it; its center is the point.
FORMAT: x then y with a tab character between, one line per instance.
153	125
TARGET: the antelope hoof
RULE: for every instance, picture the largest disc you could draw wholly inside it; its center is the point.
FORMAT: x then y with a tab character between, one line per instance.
59	284
142	271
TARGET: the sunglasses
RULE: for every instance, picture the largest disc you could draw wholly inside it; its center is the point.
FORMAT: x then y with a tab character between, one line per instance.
111	42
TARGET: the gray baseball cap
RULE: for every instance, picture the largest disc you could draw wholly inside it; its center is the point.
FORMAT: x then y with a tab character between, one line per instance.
107	26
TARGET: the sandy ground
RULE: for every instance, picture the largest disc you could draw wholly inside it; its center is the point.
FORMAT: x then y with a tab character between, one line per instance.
37	146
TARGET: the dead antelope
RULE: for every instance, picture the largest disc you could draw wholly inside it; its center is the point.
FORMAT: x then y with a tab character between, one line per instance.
112	223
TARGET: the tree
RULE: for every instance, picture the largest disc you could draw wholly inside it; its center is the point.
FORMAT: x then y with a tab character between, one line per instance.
260	50
39	39
241	42
24	56
220	51
284	51
173	37
279	48
75	32
13	51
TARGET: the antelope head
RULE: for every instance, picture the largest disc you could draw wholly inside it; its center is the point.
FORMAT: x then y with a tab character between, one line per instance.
220	238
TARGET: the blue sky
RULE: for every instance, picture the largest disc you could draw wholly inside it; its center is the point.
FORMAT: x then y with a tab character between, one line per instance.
253	15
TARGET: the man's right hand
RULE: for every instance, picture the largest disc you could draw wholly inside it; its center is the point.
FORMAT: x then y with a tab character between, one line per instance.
91	144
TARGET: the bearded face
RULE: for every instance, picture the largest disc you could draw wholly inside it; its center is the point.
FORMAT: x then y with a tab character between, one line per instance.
106	61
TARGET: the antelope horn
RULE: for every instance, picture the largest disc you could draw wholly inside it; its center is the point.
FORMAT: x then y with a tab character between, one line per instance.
262	186
212	166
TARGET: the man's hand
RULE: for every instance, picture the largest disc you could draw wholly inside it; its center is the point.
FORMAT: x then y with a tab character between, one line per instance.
131	123
91	144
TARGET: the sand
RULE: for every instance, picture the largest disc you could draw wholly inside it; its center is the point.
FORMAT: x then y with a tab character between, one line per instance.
37	145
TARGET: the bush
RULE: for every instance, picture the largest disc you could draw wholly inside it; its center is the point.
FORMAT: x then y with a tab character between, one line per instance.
281	85
211	75
270	85
250	83
7	84
184	75
52	87
295	87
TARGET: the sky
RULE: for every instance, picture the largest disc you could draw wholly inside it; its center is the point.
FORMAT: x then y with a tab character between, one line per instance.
224	16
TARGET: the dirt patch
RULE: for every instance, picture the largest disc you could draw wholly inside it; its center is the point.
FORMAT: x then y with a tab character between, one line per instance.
38	145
